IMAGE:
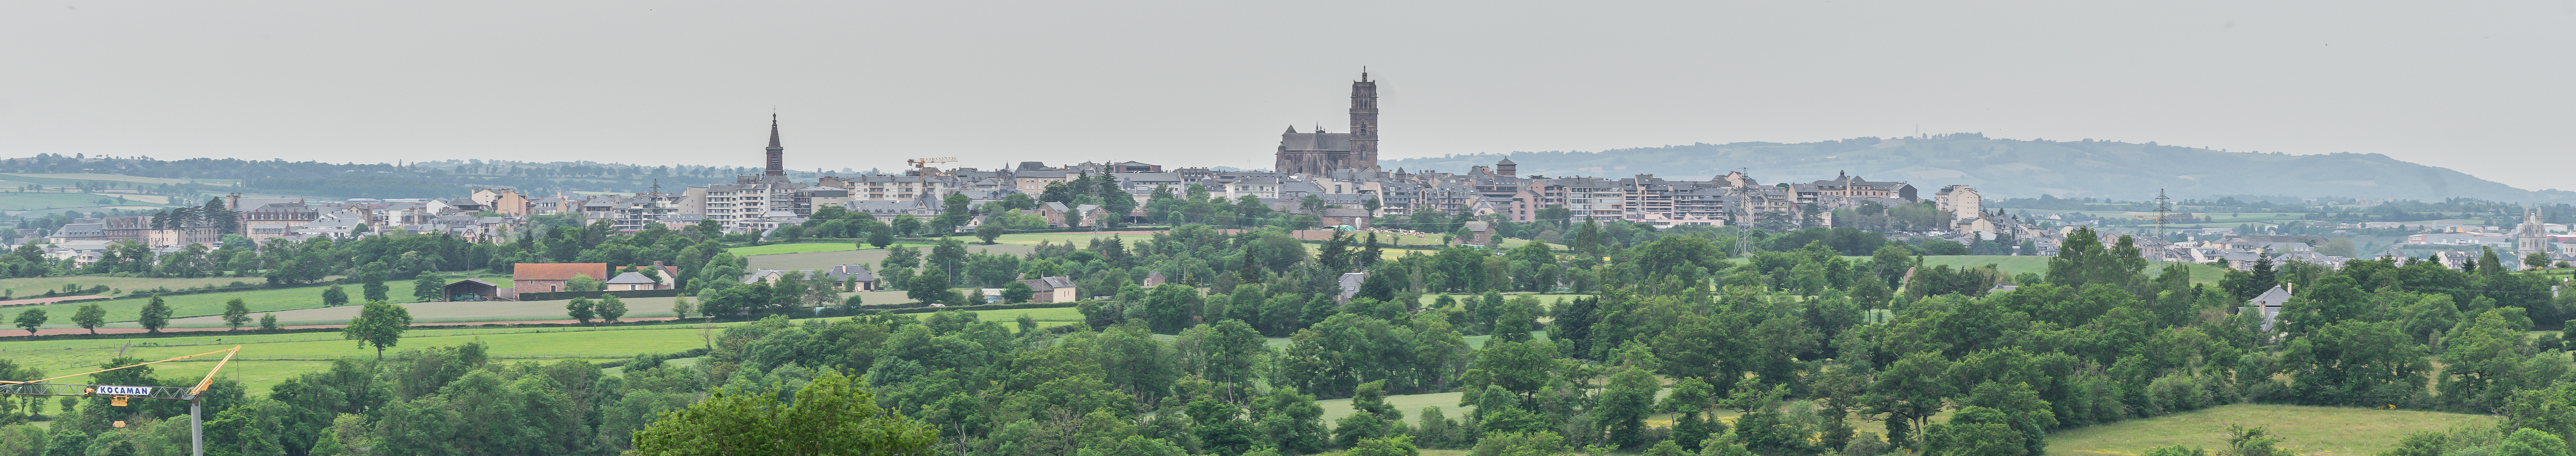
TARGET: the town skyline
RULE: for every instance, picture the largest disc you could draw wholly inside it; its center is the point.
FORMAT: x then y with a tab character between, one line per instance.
656	84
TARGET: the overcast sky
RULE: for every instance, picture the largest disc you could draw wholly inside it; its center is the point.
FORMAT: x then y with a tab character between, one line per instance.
2485	87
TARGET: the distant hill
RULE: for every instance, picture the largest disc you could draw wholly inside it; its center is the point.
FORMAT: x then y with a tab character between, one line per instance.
2018	168
197	178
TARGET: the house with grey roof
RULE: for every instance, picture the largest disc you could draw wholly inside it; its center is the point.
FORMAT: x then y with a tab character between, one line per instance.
1053	289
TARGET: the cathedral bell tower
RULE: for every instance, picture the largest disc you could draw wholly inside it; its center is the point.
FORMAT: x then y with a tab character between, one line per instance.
1363	124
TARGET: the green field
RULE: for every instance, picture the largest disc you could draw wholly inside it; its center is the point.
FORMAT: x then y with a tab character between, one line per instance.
2200	273
774	249
2303	430
25	286
1410	404
268	358
201	304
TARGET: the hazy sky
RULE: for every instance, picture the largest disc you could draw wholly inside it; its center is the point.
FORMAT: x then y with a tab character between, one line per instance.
2485	87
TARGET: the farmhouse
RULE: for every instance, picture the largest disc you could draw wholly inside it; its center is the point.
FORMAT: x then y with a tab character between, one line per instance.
551	277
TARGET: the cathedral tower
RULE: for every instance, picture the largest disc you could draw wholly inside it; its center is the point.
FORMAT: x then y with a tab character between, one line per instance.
1323	152
1363	124
777	155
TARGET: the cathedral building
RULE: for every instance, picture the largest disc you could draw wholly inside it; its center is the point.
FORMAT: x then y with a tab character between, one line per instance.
1322	152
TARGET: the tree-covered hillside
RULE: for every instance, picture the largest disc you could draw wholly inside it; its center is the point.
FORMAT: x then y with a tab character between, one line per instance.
2022	168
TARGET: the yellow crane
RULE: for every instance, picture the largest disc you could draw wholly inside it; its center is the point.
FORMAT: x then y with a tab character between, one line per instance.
118	395
924	173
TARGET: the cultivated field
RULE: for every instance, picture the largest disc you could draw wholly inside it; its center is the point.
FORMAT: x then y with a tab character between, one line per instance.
2303	430
268	358
38	285
125	310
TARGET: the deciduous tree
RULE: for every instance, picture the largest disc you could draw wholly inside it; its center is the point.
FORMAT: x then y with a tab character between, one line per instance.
380	324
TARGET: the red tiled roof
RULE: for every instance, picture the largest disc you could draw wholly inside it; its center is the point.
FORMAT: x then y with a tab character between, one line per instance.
558	271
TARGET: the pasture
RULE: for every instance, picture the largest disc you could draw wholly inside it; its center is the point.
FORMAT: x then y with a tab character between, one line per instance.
123	311
268	358
2303	430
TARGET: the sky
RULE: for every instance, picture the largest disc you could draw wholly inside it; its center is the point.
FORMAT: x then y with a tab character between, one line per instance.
2484	87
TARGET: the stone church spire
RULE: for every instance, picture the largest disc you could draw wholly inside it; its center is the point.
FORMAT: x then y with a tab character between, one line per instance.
777	154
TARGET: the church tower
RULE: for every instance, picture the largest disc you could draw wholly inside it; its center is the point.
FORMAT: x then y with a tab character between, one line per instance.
2533	235
777	155
1363	125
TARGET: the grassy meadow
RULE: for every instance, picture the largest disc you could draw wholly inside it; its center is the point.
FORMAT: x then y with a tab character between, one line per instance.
2303	430
774	249
122	312
268	358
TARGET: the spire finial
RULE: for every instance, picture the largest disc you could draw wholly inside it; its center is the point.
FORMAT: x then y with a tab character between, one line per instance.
1363	73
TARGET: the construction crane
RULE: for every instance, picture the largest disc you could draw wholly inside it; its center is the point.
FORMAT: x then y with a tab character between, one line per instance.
118	395
924	165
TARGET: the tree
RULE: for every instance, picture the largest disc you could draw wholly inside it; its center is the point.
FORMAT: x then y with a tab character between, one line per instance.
155	314
1401	445
927	288
952	214
1975	431
881	238
31	320
725	301
1015	292
2258	441
947	258
581	309
89	317
1625	405
833	415
992	229
610	308
236	313
906	224
375	290
380	324
582	282
268	322
680	308
905	258
334	296
428	287
2531	442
